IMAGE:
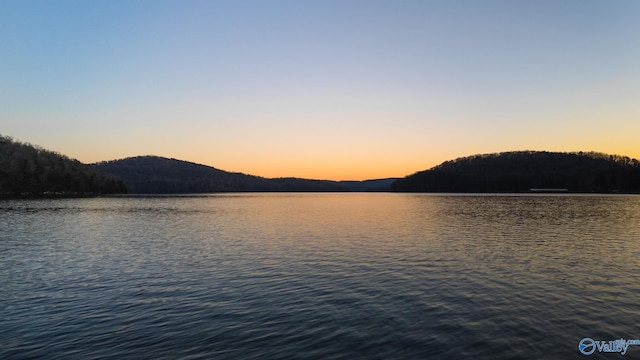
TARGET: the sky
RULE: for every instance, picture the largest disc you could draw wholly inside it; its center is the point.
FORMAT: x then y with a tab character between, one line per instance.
340	90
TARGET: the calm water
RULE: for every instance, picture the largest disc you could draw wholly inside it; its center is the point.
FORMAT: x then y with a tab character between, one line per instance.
318	276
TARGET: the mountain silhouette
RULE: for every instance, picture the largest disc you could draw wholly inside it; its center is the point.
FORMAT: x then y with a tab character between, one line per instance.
159	175
30	171
525	171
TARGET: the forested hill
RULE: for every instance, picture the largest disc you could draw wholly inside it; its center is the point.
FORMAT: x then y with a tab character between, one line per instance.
30	171
158	175
525	170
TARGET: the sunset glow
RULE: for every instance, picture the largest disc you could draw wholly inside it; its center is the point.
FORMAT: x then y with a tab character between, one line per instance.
340	90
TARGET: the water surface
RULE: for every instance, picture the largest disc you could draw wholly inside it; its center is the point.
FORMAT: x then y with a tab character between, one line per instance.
318	276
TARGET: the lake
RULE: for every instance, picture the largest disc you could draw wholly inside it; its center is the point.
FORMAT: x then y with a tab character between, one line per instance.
319	276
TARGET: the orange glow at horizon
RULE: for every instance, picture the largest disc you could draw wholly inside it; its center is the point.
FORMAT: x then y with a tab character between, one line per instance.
378	91
336	167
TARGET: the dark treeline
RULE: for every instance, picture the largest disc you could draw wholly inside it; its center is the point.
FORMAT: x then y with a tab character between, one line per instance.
158	175
525	170
30	171
375	185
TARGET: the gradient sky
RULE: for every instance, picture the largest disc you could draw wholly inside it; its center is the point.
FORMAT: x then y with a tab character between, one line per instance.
320	89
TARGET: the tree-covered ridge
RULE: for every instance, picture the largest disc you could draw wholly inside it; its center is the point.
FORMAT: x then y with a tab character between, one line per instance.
522	171
158	175
29	170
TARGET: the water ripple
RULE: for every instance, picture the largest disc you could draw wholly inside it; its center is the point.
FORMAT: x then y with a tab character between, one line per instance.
317	276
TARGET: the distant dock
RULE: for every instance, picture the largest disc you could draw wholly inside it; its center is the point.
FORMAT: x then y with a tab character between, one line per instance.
536	190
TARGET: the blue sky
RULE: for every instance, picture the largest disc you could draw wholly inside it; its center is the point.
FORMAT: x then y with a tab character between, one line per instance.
322	89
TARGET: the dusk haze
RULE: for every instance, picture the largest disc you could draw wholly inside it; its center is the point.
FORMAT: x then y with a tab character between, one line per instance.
338	90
